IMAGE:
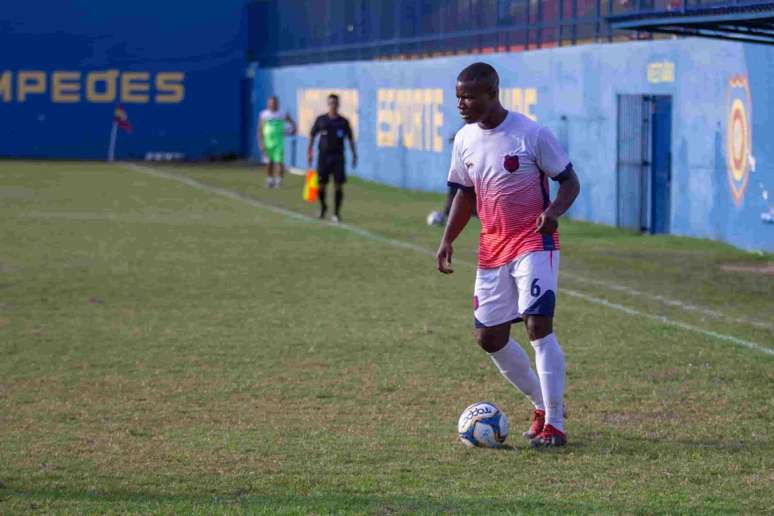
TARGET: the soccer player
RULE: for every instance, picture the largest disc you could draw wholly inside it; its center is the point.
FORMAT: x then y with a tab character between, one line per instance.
271	139
500	162
332	128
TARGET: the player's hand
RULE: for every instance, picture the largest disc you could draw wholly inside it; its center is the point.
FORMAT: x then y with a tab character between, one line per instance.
354	161
443	258
309	157
546	224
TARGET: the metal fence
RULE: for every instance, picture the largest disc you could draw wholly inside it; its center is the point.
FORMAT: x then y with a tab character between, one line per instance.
283	32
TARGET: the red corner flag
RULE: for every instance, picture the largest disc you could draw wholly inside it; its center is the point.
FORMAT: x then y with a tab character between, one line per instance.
121	119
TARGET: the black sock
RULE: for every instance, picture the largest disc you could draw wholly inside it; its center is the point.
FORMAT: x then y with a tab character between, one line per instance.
339	198
323	205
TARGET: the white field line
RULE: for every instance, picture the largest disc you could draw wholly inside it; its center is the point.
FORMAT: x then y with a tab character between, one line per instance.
671	322
422	250
670	302
160	218
633	292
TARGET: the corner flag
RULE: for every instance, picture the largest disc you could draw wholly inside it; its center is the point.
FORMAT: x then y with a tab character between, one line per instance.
120	119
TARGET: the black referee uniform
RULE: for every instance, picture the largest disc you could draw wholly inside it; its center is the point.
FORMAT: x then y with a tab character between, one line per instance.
330	156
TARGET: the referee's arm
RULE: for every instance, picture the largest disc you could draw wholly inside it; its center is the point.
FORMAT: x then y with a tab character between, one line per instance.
309	148
352	145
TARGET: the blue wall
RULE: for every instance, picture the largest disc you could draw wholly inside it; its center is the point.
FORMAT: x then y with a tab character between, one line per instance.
575	91
201	41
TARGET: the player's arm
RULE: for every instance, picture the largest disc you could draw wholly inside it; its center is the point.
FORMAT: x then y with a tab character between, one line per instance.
569	188
261	145
461	210
352	145
289	119
552	159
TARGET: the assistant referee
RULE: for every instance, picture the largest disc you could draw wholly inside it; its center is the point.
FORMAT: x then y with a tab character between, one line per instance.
332	128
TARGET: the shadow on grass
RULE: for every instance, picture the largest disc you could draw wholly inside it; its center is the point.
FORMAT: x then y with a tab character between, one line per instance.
646	446
288	503
725	447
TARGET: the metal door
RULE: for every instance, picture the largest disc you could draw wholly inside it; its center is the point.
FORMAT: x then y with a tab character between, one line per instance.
633	164
661	164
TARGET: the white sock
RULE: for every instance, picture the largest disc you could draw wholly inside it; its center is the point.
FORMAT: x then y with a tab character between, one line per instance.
513	363
549	359
270	181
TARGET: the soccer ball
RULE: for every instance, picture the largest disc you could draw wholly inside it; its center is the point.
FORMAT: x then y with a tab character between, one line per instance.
435	218
484	425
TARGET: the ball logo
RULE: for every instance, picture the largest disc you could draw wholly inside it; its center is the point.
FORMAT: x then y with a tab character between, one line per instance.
738	136
480	410
511	163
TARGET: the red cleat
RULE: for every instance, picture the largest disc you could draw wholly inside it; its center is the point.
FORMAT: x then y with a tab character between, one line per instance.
538	420
550	437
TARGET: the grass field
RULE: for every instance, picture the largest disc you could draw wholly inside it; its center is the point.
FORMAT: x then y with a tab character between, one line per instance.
194	343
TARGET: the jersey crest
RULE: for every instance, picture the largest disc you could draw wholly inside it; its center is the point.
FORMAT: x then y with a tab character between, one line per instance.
511	163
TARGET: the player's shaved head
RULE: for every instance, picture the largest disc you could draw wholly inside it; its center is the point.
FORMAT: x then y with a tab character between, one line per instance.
482	75
477	95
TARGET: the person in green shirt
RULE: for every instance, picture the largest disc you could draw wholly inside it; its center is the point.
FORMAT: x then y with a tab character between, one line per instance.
271	139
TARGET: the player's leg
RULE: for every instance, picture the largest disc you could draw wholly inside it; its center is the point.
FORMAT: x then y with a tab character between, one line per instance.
339	178
270	174
537	276
495	308
549	361
280	161
275	153
338	198
280	175
323	176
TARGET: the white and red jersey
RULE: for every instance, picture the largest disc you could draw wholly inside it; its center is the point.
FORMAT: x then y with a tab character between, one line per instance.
508	167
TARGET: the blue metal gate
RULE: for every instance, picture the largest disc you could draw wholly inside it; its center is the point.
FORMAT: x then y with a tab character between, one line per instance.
661	164
633	149
644	171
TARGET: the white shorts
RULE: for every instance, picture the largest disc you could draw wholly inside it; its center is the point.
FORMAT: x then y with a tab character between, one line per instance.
525	286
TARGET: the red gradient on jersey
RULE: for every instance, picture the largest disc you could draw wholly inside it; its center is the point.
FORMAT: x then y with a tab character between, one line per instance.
508	211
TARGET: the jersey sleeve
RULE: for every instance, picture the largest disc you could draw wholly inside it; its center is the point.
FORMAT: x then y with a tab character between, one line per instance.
348	129
458	172
551	157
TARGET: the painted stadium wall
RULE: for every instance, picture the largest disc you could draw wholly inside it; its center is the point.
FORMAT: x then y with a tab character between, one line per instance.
174	66
722	122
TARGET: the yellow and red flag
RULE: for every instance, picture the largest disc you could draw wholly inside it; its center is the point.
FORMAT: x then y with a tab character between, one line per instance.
121	119
311	186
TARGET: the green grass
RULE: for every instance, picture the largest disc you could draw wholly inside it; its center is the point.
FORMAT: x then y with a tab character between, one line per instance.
167	349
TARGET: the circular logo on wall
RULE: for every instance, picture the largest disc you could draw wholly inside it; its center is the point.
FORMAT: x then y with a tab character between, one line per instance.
738	135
